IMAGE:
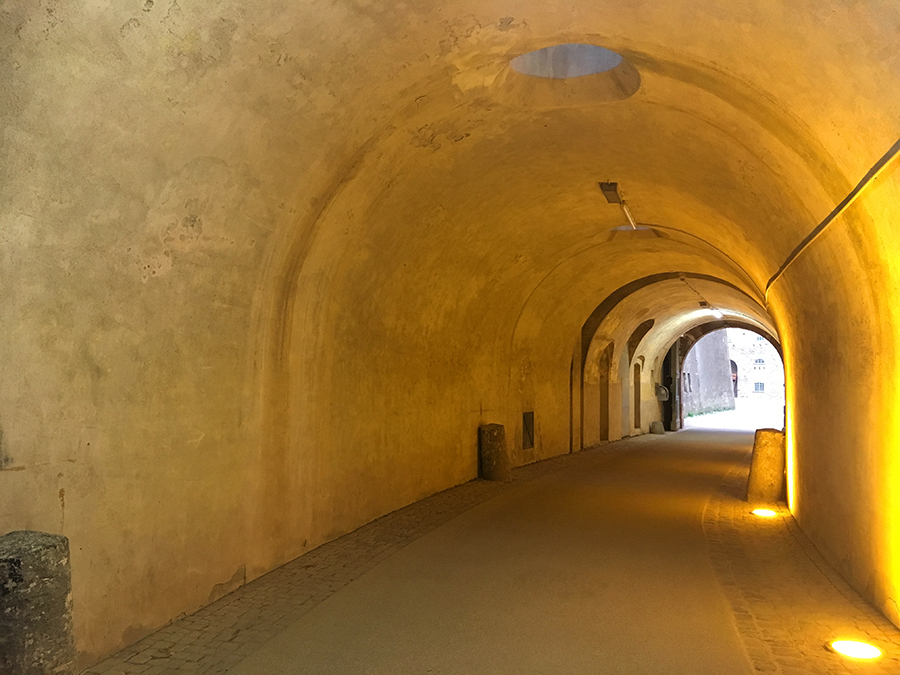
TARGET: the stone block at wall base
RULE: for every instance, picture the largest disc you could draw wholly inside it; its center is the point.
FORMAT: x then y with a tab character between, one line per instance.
36	633
766	483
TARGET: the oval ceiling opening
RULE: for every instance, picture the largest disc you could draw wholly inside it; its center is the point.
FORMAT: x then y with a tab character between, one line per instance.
565	61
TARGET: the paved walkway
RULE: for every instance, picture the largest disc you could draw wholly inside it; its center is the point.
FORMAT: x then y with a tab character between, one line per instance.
749	414
636	557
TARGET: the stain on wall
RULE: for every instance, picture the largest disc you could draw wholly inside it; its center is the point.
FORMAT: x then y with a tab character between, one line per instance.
238	579
5	459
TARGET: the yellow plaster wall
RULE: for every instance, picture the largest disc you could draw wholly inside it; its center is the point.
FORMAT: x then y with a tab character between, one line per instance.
266	265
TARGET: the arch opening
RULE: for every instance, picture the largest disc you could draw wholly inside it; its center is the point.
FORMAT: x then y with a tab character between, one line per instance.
733	378
638	327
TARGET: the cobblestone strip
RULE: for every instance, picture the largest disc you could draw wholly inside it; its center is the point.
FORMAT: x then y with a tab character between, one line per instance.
788	602
223	633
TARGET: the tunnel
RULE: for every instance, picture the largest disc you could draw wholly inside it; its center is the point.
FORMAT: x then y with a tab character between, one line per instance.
267	267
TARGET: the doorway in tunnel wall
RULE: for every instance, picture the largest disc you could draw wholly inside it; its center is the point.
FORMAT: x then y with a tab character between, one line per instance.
625	395
637	395
733	379
670	418
603	388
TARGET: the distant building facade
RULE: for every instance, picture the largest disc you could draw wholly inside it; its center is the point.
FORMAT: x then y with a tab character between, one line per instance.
727	365
757	367
706	381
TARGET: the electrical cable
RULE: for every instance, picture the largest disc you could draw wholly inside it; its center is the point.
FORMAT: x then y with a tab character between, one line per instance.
873	173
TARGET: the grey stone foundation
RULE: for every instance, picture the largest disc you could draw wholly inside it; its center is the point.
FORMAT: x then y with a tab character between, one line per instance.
36	636
766	484
493	453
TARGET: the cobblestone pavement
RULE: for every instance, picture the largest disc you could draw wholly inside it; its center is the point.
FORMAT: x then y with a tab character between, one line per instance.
786	600
223	633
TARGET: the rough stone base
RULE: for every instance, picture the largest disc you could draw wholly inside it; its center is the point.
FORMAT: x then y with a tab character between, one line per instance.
36	636
766	483
656	427
493	453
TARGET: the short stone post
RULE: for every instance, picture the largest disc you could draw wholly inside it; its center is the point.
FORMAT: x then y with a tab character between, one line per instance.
493	455
766	484
36	636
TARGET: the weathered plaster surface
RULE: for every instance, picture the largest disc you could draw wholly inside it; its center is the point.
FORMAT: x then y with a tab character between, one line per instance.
265	267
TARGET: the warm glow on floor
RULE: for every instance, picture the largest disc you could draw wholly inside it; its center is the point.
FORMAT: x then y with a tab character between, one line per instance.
855	650
764	513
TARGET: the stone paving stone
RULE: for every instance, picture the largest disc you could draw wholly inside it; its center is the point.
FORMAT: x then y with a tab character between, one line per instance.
796	602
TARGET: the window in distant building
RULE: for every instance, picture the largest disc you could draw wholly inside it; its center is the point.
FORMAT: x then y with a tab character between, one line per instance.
759	387
758	364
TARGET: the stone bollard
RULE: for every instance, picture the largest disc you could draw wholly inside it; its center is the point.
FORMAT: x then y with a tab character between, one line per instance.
656	427
766	484
492	453
36	636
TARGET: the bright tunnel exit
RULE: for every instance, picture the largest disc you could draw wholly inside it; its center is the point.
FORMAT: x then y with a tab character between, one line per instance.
733	379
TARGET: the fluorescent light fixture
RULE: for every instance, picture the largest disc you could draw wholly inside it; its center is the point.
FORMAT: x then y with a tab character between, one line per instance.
611	192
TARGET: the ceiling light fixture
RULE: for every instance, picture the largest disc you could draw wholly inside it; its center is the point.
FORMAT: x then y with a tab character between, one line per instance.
717	313
611	192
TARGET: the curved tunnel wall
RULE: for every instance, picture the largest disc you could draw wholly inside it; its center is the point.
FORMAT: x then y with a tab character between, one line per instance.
266	267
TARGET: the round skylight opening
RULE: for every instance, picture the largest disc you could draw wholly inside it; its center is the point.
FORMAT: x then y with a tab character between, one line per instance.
561	62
